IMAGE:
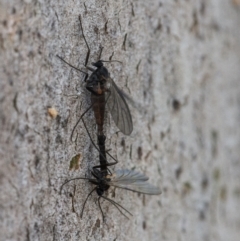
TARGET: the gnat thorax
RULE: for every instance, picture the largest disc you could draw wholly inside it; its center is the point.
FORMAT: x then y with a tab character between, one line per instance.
96	83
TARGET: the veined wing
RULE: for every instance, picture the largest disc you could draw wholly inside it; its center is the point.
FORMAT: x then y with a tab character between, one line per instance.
119	109
133	181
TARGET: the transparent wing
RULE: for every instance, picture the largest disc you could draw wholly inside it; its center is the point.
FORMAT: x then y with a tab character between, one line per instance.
118	108
133	181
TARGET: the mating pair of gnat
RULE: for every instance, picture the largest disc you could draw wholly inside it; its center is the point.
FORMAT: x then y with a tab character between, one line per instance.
104	92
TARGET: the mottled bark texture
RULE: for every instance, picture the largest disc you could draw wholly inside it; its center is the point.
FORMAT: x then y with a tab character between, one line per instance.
181	65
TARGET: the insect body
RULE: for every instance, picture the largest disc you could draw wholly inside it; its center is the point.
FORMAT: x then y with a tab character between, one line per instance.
104	92
125	179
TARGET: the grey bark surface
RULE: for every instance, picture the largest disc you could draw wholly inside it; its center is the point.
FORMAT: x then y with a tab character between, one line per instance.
180	63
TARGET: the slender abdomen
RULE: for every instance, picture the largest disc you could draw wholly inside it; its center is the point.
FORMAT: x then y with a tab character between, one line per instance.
98	102
102	154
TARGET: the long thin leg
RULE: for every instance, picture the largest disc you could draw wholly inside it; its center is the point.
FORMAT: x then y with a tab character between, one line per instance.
71	65
88	53
80	120
119	205
86	74
100	53
118	209
116	205
92	139
77	178
100	207
107	165
90	68
116	161
111	61
87	199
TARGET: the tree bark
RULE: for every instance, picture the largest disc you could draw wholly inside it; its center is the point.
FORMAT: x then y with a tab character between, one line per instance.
180	63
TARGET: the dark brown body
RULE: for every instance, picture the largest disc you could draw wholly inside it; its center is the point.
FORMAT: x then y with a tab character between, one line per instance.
98	106
96	84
